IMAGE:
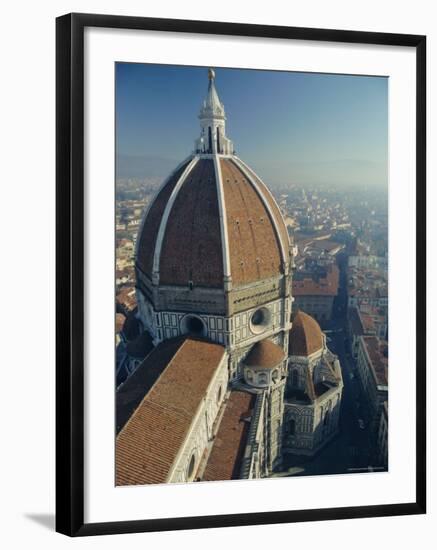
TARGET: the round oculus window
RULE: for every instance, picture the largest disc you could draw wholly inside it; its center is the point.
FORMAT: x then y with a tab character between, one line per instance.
260	320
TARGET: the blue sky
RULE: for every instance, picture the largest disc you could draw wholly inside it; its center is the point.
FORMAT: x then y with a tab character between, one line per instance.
302	128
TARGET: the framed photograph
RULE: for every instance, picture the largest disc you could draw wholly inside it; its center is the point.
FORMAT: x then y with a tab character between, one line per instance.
240	274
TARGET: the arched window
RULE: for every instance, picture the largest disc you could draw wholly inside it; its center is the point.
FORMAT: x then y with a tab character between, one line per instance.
292	427
260	320
195	325
191	324
209	140
191	464
294	378
326	419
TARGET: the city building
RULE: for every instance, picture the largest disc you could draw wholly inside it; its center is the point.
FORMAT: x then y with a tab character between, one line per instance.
205	372
372	368
382	440
315	289
313	391
366	321
368	261
367	286
126	300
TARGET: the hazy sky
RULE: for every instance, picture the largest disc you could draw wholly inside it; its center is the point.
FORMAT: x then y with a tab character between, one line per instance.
303	128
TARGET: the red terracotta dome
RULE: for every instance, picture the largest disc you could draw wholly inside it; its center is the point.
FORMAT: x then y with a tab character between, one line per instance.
265	354
213	221
305	335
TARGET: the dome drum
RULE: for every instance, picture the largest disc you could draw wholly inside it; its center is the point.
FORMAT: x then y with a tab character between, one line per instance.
261	378
262	366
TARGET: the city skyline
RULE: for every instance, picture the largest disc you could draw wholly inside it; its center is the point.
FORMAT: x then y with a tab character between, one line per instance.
300	128
251	326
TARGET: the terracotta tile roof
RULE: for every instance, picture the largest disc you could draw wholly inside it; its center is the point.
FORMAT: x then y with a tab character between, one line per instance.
279	219
192	246
132	392
253	245
305	335
147	445
192	242
149	233
126	299
264	354
227	452
309	286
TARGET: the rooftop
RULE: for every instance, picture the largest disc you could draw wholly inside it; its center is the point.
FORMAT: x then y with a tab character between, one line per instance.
132	392
377	351
305	335
264	354
151	436
308	284
126	298
227	452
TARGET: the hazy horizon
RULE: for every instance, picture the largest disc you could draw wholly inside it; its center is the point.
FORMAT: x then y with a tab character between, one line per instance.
292	128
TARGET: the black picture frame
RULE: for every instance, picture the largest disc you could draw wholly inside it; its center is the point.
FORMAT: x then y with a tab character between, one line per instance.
70	273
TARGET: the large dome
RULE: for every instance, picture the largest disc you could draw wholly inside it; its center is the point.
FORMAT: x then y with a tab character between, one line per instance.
213	221
213	224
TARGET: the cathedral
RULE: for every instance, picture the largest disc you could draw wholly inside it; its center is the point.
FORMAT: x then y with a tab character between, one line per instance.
220	379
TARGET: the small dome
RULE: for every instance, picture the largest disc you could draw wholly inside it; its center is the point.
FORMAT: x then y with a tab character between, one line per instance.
305	335
264	354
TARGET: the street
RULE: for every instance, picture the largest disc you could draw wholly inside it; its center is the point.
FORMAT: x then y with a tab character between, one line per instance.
349	451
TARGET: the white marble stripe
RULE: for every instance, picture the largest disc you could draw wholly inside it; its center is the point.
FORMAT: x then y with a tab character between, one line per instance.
247	172
152	202
165	216
223	224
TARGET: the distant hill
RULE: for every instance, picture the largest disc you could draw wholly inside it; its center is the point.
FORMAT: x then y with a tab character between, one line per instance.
128	166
